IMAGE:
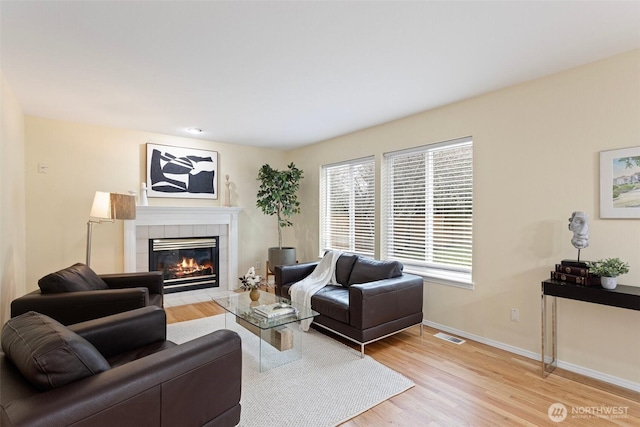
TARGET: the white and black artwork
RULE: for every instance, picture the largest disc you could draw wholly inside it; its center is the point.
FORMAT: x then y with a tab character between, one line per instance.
181	172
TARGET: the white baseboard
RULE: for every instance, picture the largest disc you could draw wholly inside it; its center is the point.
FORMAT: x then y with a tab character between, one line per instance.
620	382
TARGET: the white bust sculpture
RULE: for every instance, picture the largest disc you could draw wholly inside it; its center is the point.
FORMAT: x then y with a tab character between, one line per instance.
579	224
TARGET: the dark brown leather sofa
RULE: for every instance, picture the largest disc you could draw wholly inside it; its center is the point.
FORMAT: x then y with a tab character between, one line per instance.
374	299
122	372
76	294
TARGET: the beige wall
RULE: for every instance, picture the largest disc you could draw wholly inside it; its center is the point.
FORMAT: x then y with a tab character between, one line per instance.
12	189
536	160
82	159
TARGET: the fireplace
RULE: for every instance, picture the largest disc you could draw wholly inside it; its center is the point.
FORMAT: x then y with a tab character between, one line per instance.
185	263
157	222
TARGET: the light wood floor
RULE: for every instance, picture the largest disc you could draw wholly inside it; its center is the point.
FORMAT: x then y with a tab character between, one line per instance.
473	385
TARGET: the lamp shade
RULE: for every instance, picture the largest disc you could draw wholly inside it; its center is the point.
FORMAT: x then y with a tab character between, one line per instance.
113	206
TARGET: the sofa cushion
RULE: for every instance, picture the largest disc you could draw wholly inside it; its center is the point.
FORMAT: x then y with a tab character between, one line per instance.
333	302
46	353
369	270
344	265
78	277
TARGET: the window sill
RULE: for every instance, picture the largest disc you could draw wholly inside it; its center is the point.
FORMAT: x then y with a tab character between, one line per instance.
449	278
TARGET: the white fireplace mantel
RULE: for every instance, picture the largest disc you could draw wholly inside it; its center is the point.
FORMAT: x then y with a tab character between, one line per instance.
183	217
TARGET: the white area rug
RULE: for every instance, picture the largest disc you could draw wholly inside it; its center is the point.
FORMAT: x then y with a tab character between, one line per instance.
330	384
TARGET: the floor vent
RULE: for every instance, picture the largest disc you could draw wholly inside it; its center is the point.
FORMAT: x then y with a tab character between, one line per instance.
449	338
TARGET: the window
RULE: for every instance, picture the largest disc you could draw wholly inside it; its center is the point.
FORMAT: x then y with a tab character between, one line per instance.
348	206
428	210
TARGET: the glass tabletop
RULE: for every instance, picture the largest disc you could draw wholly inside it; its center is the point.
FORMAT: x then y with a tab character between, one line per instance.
240	305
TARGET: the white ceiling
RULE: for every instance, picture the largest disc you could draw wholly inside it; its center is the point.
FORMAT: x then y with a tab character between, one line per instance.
288	73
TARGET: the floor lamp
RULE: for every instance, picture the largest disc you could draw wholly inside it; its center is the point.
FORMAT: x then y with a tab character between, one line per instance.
107	207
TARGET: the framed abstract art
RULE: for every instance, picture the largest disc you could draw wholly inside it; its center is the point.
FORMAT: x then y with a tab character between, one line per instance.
180	172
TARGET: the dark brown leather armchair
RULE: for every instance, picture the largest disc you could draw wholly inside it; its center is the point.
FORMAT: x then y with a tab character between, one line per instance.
372	300
147	381
124	291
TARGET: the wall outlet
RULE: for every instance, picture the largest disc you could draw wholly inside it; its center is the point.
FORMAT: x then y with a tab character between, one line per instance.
258	266
515	315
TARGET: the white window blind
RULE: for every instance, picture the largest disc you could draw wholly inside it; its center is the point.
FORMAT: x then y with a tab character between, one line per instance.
348	206
428	209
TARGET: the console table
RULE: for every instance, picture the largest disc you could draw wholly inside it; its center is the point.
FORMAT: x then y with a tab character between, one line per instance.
622	296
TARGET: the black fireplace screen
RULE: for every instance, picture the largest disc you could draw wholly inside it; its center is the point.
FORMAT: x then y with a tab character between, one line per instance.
185	263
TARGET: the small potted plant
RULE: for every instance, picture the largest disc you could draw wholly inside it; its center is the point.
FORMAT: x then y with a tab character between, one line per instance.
608	269
251	282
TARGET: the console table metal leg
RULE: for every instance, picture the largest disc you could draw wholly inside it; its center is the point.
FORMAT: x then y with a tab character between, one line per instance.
543	330
547	368
554	334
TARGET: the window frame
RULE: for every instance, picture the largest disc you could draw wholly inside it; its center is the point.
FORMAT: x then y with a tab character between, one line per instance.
458	276
325	218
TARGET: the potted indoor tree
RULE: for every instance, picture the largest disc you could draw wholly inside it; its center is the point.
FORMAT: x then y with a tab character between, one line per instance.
277	196
608	269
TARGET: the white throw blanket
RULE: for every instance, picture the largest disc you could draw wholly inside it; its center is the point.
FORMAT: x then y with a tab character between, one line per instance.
324	274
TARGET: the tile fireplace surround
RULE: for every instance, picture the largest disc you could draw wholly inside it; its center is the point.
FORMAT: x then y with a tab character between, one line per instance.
154	222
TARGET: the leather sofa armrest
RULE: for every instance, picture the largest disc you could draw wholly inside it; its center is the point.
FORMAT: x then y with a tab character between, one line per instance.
165	388
75	307
375	303
150	280
126	331
286	274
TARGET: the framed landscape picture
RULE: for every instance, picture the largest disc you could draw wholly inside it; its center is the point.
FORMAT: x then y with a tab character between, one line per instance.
180	172
620	183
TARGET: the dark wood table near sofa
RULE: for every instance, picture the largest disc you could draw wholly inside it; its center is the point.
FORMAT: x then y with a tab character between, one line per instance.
622	297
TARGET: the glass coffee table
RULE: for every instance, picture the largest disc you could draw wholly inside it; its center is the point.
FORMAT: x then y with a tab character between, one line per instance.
279	339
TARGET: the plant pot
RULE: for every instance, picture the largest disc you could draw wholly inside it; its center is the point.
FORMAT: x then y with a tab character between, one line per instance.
254	294
609	282
281	256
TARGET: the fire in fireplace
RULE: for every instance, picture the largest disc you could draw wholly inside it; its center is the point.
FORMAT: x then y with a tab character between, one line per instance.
185	263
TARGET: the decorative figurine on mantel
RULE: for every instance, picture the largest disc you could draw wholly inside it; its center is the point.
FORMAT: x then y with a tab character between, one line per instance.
227	193
144	201
579	224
